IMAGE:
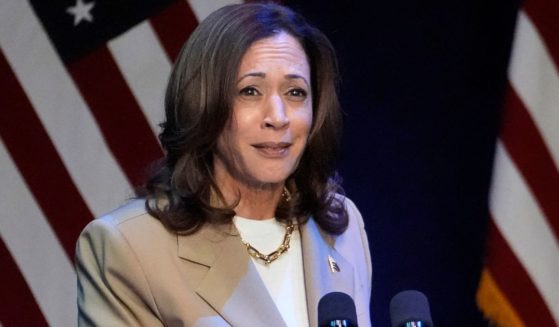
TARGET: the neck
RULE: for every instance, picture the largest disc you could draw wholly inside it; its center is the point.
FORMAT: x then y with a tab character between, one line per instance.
254	201
258	203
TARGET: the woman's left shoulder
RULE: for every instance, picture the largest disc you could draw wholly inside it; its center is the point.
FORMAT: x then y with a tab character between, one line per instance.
354	215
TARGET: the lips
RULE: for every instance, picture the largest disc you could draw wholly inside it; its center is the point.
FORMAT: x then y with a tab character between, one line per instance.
273	149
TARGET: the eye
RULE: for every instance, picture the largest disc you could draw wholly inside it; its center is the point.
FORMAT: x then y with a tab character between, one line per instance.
249	91
298	93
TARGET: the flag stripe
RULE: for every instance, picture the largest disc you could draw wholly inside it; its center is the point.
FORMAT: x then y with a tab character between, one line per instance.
531	156
18	306
145	67
117	113
37	251
60	108
173	26
546	23
38	161
514	282
523	226
536	81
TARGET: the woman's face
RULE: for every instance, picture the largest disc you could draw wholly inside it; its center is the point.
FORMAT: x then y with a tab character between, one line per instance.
272	114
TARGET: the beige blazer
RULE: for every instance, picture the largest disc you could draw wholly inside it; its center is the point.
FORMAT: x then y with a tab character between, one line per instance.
134	272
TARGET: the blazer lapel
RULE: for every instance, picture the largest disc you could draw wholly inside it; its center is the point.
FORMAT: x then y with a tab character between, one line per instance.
321	277
232	285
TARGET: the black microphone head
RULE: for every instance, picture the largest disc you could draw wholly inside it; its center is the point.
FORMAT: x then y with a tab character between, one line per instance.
408	306
336	306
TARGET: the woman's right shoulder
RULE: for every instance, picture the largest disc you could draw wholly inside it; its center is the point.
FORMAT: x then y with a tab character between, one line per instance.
124	237
129	220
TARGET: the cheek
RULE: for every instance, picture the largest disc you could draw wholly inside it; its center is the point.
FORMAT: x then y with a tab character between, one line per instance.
303	122
239	127
227	141
244	122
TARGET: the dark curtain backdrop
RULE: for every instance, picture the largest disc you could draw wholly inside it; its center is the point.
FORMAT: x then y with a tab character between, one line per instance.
421	88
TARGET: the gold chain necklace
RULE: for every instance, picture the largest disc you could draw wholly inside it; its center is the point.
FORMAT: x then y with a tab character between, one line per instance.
269	258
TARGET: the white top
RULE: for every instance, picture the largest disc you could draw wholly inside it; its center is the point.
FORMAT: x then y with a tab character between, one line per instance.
284	277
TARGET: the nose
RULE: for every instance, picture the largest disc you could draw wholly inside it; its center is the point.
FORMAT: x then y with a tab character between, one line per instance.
276	114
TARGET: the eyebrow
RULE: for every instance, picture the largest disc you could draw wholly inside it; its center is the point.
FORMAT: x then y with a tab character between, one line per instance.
296	76
263	75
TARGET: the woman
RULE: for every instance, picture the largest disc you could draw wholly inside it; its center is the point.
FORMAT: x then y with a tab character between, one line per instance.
242	224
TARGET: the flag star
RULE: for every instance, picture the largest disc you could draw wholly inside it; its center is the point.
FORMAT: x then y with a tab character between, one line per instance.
81	11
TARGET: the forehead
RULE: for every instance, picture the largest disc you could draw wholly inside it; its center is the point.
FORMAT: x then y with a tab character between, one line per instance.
281	48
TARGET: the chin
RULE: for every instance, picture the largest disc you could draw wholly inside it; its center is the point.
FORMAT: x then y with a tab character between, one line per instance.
271	178
271	174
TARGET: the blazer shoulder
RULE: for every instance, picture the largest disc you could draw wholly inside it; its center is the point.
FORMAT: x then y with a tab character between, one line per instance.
130	222
354	215
356	227
132	215
134	209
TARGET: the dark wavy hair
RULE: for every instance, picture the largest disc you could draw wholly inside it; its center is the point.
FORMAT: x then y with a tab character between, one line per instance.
198	106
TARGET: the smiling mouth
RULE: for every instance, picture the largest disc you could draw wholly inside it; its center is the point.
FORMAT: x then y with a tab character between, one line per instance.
273	149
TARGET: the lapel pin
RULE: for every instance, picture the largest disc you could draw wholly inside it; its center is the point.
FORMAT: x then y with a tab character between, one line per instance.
333	265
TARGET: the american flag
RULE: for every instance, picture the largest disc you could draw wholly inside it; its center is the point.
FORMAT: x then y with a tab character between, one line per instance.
520	282
82	95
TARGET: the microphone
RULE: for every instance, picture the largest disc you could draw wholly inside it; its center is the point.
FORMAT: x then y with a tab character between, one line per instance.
410	309
337	309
